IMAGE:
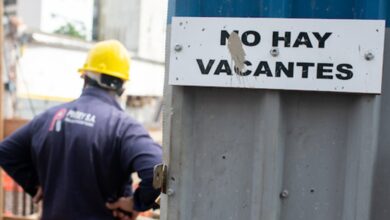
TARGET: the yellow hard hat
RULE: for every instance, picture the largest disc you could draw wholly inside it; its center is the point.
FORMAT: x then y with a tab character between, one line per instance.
108	57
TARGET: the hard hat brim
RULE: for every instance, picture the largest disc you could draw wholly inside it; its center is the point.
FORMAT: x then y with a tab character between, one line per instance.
114	74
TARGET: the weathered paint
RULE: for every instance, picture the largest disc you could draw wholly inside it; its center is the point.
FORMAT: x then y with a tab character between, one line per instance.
236	51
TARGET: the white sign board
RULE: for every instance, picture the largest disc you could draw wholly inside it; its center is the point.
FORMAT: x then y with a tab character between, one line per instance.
291	54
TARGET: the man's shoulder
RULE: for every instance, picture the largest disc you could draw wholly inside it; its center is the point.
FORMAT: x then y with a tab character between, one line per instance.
132	126
54	109
58	110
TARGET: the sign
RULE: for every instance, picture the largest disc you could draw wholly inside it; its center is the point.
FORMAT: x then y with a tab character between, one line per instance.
266	53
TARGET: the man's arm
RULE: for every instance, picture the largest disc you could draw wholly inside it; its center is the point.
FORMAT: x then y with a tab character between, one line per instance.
140	154
15	159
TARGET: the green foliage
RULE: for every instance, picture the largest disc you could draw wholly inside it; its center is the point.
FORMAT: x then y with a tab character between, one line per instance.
70	30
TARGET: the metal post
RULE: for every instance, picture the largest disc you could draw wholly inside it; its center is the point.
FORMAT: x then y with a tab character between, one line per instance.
270	155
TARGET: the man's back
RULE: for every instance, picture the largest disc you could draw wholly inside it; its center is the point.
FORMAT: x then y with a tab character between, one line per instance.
83	153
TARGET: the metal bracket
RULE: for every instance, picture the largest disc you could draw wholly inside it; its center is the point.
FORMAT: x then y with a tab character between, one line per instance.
160	176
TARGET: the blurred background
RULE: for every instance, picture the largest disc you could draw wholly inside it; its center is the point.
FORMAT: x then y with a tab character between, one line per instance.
46	41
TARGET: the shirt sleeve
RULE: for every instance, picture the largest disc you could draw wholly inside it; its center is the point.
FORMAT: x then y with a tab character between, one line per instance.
140	154
15	159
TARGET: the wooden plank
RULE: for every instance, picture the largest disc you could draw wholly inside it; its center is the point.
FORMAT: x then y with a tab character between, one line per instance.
11	125
1	104
15	218
20	217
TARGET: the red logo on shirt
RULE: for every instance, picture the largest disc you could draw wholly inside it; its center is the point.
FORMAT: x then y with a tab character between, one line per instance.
56	121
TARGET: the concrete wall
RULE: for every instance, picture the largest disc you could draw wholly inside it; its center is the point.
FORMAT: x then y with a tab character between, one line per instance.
31	12
140	25
152	29
119	19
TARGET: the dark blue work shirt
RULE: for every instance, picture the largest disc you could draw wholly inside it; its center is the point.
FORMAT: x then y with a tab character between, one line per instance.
82	154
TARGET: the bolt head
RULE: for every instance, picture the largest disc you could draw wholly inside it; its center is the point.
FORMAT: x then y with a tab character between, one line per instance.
284	194
369	56
178	48
274	52
170	192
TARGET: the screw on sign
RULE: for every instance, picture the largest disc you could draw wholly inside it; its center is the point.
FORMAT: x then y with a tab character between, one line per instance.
178	48
274	52
284	194
369	56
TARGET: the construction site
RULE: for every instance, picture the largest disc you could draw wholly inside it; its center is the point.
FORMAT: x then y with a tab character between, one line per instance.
195	110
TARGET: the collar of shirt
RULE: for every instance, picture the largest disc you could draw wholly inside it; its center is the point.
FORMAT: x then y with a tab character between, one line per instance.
102	95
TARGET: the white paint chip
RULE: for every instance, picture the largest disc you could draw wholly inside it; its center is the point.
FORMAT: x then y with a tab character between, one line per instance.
236	50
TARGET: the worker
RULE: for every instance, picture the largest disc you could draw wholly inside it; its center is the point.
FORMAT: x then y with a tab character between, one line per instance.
79	155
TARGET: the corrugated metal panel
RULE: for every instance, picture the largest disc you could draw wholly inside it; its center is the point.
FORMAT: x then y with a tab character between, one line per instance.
381	190
348	9
233	152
